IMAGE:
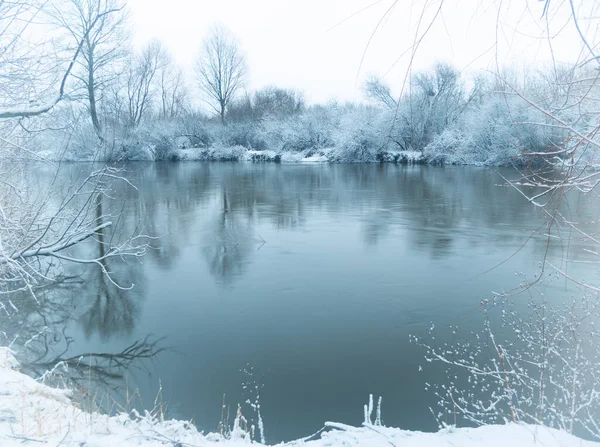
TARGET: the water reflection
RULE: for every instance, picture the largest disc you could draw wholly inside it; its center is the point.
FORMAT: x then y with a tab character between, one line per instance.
113	310
431	203
118	285
37	330
230	244
218	207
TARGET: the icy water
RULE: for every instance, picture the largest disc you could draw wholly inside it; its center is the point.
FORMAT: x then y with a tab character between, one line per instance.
305	281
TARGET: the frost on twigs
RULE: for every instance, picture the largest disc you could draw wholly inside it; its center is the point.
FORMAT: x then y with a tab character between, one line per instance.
54	238
534	362
369	412
245	428
41	231
252	387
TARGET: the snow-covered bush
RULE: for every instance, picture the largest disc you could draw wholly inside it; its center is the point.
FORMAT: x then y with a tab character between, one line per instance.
451	147
493	133
155	141
227	153
358	139
314	129
243	133
195	127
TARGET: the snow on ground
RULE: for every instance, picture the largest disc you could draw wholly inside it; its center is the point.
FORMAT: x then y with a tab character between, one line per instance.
33	414
324	155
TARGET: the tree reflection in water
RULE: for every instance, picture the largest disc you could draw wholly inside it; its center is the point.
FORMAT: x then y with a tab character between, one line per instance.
231	242
40	327
115	303
42	342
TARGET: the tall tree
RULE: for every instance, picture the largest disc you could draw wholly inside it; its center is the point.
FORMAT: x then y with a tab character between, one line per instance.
221	69
102	44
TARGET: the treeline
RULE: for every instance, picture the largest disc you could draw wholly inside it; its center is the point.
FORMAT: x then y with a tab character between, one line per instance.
128	105
440	121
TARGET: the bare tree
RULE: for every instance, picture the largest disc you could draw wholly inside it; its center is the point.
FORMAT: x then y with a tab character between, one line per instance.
278	101
21	77
99	24
379	92
140	80
42	224
269	101
172	87
221	69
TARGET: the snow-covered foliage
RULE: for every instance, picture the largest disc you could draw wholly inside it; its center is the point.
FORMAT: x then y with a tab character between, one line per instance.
359	138
491	133
308	131
439	119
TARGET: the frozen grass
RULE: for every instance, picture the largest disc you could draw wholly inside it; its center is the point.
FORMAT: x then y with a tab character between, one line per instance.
33	414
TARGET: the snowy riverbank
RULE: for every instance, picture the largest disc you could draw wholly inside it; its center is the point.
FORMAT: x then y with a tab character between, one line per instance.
35	414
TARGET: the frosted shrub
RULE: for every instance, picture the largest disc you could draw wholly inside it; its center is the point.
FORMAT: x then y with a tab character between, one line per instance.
200	133
83	144
134	150
314	130
318	126
277	133
226	153
245	133
394	126
357	138
491	134
157	138
451	147
538	365
310	130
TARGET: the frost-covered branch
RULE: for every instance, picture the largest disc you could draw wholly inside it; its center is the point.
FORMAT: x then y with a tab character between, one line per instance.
545	372
28	112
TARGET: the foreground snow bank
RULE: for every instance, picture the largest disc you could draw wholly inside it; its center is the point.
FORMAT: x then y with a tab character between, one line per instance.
34	414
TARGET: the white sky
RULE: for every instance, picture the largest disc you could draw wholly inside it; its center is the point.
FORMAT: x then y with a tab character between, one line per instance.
296	43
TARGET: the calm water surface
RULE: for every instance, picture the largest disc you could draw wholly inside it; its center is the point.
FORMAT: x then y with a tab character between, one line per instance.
306	281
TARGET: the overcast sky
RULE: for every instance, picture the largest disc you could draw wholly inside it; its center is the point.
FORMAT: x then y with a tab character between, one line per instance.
302	44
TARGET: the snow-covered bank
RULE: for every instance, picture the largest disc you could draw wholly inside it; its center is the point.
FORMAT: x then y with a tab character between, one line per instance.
330	155
35	414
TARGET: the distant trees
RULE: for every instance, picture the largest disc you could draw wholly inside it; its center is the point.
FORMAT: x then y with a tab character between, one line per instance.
173	90
143	69
269	101
136	103
221	69
435	100
278	101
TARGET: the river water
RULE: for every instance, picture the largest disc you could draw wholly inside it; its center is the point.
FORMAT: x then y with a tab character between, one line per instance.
304	282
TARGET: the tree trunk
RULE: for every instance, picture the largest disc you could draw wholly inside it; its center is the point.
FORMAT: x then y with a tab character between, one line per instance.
92	94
